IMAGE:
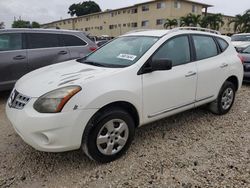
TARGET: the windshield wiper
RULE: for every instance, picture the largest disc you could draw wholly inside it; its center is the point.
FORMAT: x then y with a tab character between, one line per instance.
93	63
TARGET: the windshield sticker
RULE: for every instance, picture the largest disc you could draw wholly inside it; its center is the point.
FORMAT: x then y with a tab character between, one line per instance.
127	57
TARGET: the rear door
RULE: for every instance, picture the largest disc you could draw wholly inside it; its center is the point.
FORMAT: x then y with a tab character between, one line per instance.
13	59
212	67
45	49
77	46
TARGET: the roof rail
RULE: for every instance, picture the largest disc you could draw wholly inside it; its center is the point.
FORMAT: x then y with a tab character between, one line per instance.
195	29
138	30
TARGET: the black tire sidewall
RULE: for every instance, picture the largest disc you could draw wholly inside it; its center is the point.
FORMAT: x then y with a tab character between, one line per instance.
225	86
97	124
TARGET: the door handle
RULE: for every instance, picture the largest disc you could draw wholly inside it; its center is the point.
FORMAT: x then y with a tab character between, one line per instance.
19	57
62	52
191	73
224	65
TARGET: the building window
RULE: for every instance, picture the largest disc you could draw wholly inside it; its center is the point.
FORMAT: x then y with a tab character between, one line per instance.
145	7
128	24
177	4
124	25
145	23
101	28
124	11
111	27
112	14
194	9
161	5
160	21
134	24
119	12
128	11
134	11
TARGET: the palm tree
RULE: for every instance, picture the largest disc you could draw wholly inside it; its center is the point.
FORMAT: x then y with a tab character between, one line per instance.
191	20
241	22
170	23
212	21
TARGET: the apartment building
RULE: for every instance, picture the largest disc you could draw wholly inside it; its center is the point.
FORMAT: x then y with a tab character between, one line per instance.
226	28
147	15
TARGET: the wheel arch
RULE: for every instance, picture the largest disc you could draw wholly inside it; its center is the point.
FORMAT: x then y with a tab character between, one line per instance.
234	80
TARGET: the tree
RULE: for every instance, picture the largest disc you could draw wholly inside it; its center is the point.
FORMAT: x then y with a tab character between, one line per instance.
84	8
241	22
2	25
170	23
21	24
35	25
191	20
212	21
25	24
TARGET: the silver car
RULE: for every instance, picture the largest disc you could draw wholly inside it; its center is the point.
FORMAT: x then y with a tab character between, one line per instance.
24	50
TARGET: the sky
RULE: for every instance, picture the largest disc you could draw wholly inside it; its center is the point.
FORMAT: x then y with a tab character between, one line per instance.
44	11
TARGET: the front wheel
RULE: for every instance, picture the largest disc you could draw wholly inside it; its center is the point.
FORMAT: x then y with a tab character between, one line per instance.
225	99
108	135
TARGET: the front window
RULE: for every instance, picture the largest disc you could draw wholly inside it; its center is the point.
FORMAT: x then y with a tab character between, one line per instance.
241	38
121	52
177	50
11	41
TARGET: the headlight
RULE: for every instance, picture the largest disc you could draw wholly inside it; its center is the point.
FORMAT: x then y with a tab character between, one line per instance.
54	101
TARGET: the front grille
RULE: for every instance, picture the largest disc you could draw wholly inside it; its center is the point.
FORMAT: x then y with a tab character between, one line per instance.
18	100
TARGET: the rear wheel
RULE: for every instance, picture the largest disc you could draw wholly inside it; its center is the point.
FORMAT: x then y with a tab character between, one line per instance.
225	99
108	135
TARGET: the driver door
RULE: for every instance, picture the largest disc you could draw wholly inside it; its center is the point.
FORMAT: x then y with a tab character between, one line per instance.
171	91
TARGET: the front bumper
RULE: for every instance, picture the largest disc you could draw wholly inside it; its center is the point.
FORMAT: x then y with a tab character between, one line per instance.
50	132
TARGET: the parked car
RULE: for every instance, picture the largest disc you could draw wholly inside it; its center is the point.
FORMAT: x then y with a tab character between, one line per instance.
95	103
241	41
24	50
245	57
101	42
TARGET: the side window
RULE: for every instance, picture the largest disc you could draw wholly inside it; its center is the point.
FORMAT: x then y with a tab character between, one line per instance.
70	40
42	40
205	47
176	49
10	41
223	44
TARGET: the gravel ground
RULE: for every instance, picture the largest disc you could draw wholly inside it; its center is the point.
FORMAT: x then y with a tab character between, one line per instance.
192	149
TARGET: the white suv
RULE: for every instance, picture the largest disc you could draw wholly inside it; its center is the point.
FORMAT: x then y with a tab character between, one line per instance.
95	103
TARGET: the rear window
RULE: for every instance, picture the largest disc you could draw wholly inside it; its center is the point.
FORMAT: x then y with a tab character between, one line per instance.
42	40
10	41
241	38
205	47
223	44
70	40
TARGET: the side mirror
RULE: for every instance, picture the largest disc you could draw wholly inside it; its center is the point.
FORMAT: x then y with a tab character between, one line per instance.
161	64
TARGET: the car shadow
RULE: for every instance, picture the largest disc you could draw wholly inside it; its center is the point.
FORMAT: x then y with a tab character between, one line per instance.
56	162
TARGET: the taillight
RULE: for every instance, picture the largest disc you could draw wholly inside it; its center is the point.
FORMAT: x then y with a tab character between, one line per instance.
92	49
241	58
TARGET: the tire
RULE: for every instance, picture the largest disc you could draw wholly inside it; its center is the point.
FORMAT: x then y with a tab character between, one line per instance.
108	135
225	99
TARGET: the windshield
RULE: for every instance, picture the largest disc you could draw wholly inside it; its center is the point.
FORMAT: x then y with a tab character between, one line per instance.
121	52
247	50
241	38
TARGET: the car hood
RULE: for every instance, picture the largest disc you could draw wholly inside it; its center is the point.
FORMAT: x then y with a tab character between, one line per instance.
241	44
43	80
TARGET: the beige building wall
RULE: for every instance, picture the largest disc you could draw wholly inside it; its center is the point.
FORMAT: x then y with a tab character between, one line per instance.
120	21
